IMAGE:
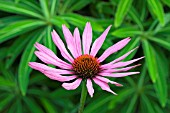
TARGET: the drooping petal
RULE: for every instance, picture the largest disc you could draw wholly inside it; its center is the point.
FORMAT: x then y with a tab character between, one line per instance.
50	53
44	68
87	38
77	42
116	47
90	87
120	70
73	85
70	41
108	81
120	64
98	42
103	85
48	60
59	43
120	58
118	74
60	77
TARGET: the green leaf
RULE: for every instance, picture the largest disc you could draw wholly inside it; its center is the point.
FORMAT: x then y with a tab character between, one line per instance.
32	4
78	5
147	104
121	97
32	105
163	72
48	106
16	107
167	2
79	21
162	42
97	103
135	16
161	29
10	19
59	21
6	83
150	60
157	9
131	105
123	8
11	7
15	49
18	28
28	55
5	101
48	40
126	32
45	9
54	7
63	93
3	52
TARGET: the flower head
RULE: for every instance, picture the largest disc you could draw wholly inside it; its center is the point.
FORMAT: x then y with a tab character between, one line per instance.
82	63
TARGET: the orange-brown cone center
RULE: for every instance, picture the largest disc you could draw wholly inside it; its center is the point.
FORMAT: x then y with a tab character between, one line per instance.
86	66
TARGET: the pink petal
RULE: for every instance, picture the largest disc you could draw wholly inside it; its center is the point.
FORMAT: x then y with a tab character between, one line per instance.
120	70
59	43
120	58
50	53
118	74
59	77
98	42
90	87
108	81
120	64
116	47
77	42
103	85
73	85
87	38
44	68
70	41
48	60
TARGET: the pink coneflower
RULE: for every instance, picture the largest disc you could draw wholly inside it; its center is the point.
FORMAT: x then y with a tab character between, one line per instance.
82	63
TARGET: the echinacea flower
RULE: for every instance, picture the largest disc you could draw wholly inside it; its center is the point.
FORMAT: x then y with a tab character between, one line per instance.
82	63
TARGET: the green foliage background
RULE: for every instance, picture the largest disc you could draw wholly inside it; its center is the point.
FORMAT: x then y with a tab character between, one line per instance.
24	22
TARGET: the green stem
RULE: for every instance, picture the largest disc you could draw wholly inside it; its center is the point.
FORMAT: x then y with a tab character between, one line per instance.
83	97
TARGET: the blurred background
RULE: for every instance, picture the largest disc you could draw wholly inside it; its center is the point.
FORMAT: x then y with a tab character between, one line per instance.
24	22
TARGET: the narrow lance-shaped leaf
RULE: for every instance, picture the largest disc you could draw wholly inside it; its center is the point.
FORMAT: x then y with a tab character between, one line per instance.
48	105
150	58
28	55
15	50
126	32
162	42
11	7
5	101
48	39
161	83
123	8
45	9
18	28
54	7
32	105
132	104
147	104
157	9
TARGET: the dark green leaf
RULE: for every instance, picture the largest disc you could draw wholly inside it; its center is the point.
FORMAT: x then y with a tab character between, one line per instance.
123	8
150	60
28	55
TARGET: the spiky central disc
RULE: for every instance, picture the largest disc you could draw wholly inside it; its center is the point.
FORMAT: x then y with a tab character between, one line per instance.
86	66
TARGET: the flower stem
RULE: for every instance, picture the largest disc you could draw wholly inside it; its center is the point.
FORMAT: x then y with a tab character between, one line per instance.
83	97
